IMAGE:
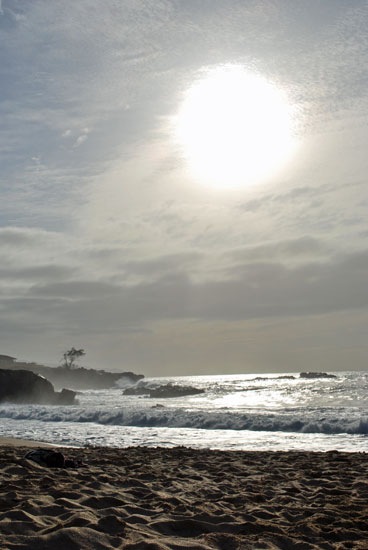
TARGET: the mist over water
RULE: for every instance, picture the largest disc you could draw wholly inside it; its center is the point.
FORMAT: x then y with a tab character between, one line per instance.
274	412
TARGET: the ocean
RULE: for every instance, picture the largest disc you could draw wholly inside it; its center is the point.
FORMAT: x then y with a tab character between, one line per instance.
233	412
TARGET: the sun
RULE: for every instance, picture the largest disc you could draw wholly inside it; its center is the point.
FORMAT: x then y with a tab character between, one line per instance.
234	127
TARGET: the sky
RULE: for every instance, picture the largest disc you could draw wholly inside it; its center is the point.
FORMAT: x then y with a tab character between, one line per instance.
183	185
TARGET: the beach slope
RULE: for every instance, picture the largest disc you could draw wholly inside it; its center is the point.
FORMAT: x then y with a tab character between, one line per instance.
159	499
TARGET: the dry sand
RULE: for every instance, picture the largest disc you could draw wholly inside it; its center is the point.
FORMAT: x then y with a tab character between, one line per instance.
183	499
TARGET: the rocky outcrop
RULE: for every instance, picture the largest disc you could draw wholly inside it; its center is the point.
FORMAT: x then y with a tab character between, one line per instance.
85	379
78	378
22	386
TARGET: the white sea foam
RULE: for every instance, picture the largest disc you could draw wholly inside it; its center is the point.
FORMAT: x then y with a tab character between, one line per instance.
233	412
301	421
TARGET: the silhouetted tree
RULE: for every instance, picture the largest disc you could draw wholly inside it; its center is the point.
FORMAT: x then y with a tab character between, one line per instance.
71	356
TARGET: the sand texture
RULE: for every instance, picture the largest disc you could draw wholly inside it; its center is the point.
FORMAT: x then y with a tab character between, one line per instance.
181	499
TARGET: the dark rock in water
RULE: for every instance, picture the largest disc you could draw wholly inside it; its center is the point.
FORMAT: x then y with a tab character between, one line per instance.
65	397
168	390
175	391
137	390
23	386
267	378
316	375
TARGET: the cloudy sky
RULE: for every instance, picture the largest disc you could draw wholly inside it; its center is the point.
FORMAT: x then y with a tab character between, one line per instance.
183	184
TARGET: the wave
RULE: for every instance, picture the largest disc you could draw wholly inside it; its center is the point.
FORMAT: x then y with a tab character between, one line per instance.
297	421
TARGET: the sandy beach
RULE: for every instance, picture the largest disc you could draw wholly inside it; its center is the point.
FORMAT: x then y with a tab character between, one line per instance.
158	499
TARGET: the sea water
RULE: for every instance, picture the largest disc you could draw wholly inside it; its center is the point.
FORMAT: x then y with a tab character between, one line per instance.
235	412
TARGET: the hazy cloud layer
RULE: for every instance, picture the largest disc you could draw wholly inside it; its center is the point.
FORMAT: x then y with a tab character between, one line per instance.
107	241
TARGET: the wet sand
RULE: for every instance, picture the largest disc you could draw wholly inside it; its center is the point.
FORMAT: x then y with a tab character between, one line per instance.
184	499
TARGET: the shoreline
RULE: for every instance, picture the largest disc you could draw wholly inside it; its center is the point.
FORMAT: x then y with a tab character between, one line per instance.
141	498
15	442
32	443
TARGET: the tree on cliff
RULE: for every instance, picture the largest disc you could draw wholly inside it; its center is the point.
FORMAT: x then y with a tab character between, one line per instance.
71	356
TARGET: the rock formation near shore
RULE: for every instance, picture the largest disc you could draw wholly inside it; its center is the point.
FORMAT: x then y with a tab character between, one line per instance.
23	386
78	378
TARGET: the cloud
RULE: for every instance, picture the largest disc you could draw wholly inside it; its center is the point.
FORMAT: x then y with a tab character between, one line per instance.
39	273
13	237
291	251
145	55
86	296
104	229
75	290
160	265
81	139
257	290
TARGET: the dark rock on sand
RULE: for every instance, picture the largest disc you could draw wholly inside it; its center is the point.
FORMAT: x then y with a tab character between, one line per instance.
22	386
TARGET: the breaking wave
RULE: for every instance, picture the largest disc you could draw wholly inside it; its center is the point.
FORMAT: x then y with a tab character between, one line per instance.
324	421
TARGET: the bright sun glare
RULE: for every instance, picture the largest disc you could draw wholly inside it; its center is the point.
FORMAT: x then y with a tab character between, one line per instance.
235	128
